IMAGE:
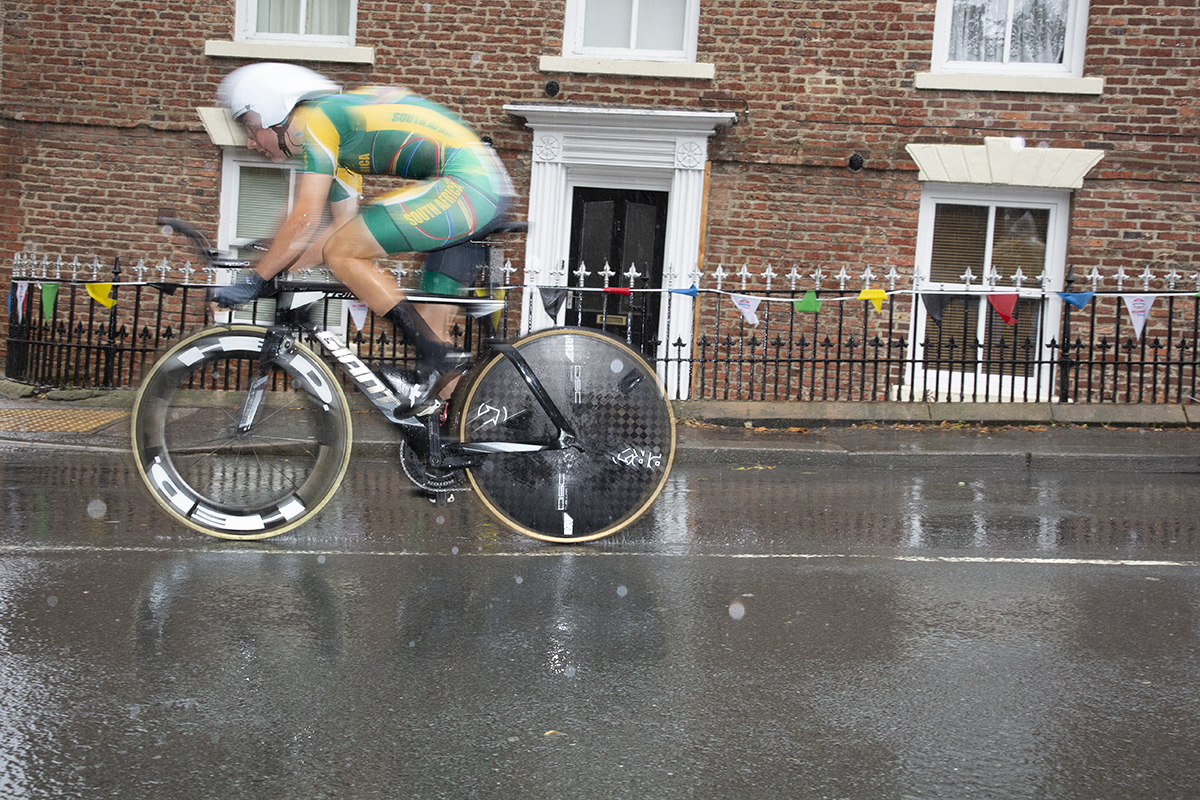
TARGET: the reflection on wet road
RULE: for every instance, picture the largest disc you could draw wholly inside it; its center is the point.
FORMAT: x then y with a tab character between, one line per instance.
762	633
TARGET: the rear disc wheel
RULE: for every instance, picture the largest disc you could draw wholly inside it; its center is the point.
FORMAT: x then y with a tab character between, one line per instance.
623	421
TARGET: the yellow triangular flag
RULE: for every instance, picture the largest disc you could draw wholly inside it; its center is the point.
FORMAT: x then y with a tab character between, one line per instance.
876	297
99	292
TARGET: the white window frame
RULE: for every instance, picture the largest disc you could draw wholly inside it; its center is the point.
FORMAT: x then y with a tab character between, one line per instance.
1073	49
573	47
246	28
951	385
233	159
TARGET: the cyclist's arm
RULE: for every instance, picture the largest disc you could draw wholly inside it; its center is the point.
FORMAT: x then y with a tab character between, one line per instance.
301	226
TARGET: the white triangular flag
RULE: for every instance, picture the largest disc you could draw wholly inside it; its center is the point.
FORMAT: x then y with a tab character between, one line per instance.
748	306
1139	309
358	312
22	290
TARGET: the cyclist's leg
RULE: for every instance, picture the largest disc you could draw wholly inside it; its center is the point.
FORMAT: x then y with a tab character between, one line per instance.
431	216
351	254
419	219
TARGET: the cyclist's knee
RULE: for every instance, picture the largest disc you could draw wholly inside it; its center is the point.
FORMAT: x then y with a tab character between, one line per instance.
349	244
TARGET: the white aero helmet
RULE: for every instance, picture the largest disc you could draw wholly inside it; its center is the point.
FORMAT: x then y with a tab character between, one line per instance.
271	90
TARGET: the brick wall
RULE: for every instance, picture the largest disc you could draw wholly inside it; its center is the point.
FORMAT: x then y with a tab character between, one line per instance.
99	128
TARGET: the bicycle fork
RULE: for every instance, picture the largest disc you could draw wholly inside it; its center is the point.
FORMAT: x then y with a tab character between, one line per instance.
272	344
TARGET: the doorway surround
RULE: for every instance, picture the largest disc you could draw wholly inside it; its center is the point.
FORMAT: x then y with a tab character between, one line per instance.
617	147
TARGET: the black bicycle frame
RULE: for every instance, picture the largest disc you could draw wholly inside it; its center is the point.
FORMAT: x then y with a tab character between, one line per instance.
423	434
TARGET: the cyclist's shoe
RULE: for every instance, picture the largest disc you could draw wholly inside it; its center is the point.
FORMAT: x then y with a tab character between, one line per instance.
414	389
419	389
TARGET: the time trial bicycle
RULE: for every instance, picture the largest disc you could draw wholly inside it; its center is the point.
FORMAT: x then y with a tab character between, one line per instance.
565	434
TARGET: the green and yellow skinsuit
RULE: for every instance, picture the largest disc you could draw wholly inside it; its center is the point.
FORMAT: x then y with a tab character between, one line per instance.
462	187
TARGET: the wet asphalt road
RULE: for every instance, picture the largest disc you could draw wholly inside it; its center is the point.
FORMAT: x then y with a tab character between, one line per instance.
764	633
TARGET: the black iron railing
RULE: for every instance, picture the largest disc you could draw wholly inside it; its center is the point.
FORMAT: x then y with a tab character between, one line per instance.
805	345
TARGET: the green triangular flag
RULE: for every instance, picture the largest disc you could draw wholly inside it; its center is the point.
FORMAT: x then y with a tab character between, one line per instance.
808	303
49	295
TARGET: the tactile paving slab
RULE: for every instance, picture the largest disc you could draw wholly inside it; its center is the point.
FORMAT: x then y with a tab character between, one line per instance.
65	420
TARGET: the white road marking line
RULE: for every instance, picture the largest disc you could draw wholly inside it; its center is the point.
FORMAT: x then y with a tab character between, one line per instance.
242	549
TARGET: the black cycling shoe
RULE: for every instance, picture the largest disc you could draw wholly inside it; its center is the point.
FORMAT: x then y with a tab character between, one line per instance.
418	389
414	389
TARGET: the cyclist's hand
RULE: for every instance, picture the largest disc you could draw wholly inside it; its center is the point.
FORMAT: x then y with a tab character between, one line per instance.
238	294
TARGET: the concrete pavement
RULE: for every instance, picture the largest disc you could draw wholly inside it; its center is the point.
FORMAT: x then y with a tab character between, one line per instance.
1011	436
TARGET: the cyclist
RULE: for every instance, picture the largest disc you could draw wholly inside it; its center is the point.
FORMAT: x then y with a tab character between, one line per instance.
462	190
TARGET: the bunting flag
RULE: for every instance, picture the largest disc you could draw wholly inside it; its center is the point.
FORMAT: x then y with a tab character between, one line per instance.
553	298
49	297
935	306
358	313
166	288
1139	309
1077	299
748	306
691	291
1006	307
808	303
876	296
100	293
22	290
492	293
617	290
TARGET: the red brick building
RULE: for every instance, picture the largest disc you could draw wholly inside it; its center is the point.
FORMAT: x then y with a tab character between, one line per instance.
920	140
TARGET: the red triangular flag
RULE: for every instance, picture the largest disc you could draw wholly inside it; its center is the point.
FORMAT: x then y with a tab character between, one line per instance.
618	290
1006	306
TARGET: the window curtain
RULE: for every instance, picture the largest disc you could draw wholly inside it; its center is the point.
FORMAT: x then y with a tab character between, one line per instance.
607	24
1035	32
278	16
262	201
1019	242
329	17
321	17
660	24
610	23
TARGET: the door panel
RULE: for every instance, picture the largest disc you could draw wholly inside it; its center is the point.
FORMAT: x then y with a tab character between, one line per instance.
613	230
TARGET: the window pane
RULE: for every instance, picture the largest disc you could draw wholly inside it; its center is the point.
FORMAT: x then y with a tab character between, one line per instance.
959	242
279	16
660	24
1039	31
977	31
608	23
329	17
262	201
1019	242
980	29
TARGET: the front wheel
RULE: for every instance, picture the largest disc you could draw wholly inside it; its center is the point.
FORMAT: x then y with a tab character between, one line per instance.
220	480
624	424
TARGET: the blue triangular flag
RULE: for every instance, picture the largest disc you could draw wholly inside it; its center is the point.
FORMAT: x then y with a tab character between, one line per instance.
691	291
1077	299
